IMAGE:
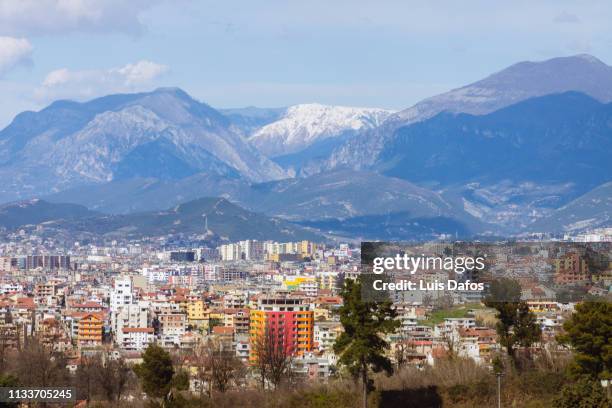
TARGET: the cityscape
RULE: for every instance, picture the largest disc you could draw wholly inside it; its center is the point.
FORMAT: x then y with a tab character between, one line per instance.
113	300
307	204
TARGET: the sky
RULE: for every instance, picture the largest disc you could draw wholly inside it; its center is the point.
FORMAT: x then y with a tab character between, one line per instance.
268	53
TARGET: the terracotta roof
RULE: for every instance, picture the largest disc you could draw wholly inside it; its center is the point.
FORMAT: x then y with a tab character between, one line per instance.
137	330
81	315
26	302
221	330
87	305
336	300
236	310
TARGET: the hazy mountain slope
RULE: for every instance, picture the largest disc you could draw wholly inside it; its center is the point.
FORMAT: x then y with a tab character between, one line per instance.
226	221
324	197
36	211
311	159
139	194
354	203
399	226
251	118
346	194
524	80
521	81
592	210
70	144
555	138
510	206
512	166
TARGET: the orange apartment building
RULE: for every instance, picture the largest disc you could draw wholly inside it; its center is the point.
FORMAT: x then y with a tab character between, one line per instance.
91	327
287	320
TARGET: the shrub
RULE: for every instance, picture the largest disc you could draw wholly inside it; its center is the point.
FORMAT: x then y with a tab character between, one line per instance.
584	393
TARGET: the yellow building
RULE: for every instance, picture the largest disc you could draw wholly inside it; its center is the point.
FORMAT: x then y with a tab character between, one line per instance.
307	249
287	251
295	282
327	280
197	314
322	314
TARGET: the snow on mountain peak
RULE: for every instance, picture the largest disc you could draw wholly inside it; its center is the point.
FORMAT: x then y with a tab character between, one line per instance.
304	124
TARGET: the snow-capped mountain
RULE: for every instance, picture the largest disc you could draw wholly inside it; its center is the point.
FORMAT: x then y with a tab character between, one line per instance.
497	156
302	125
524	80
162	134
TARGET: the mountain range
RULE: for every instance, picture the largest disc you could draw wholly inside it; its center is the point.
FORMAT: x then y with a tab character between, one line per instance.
524	80
536	155
522	149
209	217
163	134
36	211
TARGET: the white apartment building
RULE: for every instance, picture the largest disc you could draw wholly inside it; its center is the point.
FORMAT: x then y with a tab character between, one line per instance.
310	287
325	334
136	338
121	294
249	250
130	316
10	288
450	328
212	272
230	252
252	250
235	300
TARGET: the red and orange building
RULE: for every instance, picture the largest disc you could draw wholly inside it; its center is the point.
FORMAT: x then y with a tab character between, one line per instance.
286	320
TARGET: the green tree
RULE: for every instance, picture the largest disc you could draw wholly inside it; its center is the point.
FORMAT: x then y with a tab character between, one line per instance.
155	372
589	331
584	393
212	323
361	346
12	382
516	325
180	381
526	328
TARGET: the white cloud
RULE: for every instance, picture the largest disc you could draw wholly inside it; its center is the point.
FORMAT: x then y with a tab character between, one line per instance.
32	17
141	72
13	51
68	84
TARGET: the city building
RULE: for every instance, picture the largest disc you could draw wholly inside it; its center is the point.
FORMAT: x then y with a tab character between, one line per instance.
284	320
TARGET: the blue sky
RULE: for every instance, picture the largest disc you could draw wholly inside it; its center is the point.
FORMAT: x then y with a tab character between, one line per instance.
275	53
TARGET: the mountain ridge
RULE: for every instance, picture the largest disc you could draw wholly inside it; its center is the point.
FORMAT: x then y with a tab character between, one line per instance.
225	221
518	82
69	143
